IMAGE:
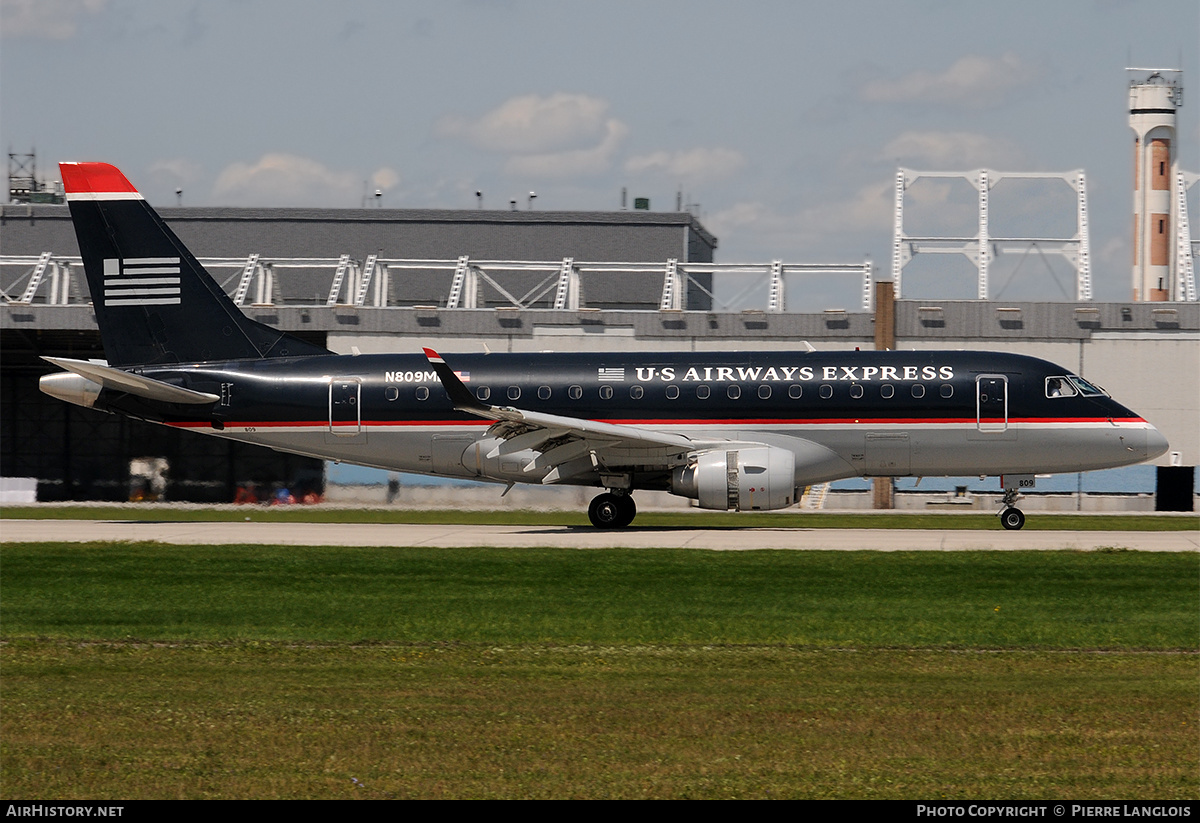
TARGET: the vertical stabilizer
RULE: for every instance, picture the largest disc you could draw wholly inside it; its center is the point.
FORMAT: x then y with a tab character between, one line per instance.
154	302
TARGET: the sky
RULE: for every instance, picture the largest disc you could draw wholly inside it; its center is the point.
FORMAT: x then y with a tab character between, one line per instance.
784	122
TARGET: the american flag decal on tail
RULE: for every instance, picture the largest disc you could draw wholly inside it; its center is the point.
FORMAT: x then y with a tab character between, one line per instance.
141	281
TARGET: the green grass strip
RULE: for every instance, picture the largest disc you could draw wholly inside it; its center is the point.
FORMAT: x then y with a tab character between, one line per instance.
1039	600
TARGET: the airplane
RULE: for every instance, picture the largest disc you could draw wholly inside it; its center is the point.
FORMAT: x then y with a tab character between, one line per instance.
731	431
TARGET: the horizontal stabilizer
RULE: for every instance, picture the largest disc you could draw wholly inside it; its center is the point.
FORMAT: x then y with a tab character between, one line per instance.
135	384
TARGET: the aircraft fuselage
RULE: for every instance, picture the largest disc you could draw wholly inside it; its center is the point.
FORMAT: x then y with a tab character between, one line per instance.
881	413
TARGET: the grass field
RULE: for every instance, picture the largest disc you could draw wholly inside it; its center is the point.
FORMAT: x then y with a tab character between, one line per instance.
142	670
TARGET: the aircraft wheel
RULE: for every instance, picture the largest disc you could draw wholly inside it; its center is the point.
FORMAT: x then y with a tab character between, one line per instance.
606	511
628	510
1012	519
611	511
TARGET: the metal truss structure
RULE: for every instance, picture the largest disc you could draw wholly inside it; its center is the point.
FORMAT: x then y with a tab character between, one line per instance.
554	284
983	247
1185	253
59	284
678	277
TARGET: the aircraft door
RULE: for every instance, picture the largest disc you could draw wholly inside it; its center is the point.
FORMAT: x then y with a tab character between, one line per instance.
887	454
345	414
991	403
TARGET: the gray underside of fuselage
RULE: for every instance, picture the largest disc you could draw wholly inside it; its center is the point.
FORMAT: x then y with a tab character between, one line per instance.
954	450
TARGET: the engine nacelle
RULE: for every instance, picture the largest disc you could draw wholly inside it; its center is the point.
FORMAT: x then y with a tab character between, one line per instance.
758	477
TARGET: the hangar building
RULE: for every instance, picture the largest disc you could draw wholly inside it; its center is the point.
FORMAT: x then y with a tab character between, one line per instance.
81	454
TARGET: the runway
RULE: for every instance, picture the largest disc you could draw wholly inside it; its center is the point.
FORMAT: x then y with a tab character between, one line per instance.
453	536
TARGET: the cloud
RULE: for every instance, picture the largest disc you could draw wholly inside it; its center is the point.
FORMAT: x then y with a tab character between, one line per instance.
288	180
175	171
973	81
531	124
49	19
953	150
562	135
868	212
692	165
574	162
385	178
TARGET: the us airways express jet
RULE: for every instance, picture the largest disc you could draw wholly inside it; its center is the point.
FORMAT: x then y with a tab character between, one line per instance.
745	430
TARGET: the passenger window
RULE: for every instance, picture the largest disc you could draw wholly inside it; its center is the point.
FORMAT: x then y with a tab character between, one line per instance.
702	392
636	392
422	393
575	392
947	390
391	393
795	391
856	391
734	392
826	391
918	390
606	392
672	392
764	392
543	392
483	392
514	392
887	391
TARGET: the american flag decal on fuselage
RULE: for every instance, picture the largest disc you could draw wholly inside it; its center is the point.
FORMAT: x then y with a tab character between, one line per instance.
141	281
615	375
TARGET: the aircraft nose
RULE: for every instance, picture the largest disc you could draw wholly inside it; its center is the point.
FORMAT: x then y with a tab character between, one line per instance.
1156	444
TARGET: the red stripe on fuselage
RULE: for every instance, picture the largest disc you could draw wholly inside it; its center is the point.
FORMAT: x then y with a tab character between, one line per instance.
791	421
308	424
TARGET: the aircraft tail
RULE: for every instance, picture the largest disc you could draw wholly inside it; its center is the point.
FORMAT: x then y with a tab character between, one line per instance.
154	302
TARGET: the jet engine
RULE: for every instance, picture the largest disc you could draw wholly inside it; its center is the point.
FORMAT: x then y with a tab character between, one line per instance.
757	477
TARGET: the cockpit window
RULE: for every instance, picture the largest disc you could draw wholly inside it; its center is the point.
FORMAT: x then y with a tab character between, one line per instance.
1086	388
1060	387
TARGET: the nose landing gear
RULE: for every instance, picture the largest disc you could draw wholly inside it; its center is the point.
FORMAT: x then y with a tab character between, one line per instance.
612	511
1011	517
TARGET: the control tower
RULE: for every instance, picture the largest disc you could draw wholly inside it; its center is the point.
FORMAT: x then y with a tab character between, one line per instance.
1154	97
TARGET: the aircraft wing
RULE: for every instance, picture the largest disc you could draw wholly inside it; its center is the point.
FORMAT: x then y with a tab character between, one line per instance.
584	444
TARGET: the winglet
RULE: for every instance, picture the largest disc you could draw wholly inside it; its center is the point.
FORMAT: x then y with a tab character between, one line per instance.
460	395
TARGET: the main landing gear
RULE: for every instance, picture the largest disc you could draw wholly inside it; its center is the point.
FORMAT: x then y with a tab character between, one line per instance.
1011	517
612	511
